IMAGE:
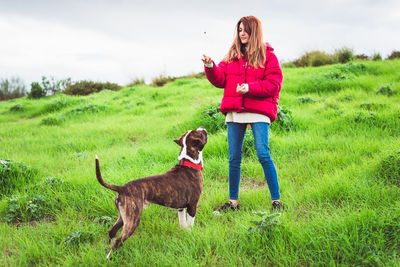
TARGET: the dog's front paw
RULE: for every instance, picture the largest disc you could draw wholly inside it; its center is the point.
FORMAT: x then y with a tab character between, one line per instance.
188	227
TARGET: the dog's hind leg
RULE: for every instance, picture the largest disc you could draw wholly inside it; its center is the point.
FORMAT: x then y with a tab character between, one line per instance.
113	230
182	217
130	215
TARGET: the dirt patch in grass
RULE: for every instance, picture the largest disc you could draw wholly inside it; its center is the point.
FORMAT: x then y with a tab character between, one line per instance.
251	184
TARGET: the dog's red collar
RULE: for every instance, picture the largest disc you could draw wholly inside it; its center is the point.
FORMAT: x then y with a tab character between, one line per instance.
190	164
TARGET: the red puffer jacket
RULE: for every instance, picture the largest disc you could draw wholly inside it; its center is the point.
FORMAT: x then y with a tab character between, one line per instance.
264	85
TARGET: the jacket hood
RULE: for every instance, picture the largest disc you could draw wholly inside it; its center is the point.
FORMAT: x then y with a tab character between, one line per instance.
269	47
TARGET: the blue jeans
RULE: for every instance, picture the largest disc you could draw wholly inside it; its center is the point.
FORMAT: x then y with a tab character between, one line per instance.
236	132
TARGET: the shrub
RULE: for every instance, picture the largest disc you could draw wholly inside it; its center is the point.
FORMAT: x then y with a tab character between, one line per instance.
353	68
394	54
320	58
75	239
34	207
361	57
53	86
50	121
284	120
268	220
385	90
389	169
37	91
376	57
17	108
14	175
106	220
88	87
12	88
314	58
136	81
13	210
25	209
57	105
162	80
344	54
335	75
211	118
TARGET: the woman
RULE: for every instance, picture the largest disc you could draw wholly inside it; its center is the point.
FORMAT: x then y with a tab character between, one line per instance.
251	77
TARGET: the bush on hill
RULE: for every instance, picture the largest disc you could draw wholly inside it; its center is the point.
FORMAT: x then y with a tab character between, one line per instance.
361	57
394	54
135	82
162	80
12	88
343	55
314	58
52	86
48	86
37	91
87	87
376	57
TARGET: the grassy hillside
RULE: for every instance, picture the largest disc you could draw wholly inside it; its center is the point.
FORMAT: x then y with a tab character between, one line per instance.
337	151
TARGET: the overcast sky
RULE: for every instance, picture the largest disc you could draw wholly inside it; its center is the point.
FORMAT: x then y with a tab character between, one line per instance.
118	40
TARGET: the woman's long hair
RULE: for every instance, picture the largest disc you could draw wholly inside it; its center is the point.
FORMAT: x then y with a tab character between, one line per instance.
255	46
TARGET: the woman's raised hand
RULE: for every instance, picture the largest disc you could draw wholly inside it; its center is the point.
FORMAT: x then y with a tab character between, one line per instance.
206	60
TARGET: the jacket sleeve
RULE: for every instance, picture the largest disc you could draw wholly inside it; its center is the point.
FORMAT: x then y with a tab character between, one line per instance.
272	80
217	74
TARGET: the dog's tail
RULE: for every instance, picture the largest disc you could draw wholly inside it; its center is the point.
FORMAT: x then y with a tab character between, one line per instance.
101	181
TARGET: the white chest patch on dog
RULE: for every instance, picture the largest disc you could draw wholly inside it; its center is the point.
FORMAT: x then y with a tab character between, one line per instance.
184	154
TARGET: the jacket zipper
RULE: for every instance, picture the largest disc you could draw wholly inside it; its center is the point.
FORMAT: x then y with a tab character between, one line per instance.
245	78
245	72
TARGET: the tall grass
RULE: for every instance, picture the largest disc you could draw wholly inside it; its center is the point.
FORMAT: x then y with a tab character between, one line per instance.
338	173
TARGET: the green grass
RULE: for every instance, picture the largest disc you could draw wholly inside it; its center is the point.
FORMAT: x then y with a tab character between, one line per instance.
338	170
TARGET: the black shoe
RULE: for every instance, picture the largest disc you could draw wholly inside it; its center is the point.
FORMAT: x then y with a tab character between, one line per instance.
277	206
226	207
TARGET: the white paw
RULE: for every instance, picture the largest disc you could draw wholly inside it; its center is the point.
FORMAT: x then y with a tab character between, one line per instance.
109	254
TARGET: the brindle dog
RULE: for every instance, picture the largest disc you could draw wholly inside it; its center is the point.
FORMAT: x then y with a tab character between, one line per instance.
179	188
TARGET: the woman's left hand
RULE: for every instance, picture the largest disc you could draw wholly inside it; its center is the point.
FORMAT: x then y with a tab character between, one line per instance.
243	88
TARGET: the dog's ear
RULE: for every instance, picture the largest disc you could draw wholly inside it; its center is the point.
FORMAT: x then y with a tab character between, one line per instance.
178	141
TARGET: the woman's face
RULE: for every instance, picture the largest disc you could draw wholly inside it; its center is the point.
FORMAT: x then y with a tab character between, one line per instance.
243	35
